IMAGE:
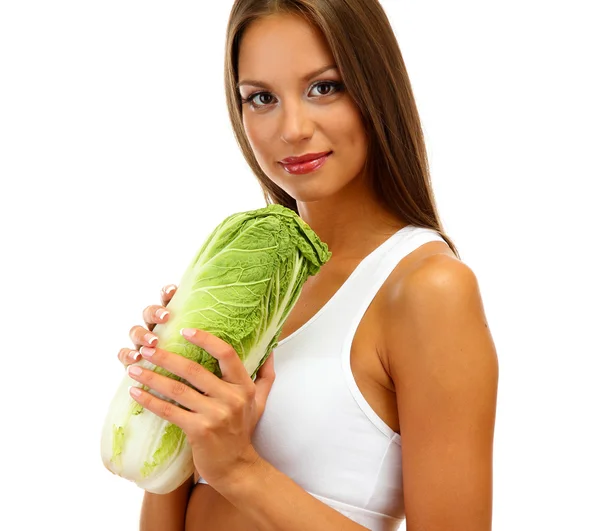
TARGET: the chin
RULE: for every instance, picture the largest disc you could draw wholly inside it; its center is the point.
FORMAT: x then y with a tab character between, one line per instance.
312	187
313	192
308	197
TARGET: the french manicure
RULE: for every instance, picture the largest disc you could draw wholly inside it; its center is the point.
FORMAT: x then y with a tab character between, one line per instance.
161	314
136	370
187	332
151	339
134	355
147	351
134	390
169	288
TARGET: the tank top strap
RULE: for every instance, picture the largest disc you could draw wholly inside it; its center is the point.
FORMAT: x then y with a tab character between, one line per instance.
348	304
360	292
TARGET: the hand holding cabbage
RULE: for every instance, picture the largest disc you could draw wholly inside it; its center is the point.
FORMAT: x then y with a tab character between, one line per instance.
140	336
240	288
219	422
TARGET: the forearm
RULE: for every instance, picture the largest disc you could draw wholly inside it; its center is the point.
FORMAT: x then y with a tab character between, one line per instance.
166	512
272	501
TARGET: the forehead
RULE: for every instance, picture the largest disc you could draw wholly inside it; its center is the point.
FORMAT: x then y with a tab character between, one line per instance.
281	47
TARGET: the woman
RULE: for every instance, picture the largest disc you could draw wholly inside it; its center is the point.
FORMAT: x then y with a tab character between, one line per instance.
379	402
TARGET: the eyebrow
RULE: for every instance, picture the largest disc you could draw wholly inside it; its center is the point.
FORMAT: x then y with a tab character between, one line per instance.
307	77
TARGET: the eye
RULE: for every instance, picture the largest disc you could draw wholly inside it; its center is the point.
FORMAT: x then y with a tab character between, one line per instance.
324	84
331	87
258	95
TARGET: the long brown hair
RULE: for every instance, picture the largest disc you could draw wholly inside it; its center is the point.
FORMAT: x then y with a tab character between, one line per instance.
367	54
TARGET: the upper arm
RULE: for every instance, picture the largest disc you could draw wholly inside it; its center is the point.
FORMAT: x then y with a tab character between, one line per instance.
444	366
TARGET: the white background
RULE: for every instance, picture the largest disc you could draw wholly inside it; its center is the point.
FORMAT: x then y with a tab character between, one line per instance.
117	159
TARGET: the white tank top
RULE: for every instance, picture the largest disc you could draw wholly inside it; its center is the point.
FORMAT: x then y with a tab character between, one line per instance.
317	428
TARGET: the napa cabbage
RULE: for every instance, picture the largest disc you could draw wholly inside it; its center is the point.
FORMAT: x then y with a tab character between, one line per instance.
240	286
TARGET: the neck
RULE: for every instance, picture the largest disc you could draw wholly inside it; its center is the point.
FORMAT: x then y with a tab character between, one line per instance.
352	223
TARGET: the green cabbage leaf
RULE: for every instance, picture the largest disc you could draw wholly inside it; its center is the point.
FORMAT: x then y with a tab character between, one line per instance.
241	286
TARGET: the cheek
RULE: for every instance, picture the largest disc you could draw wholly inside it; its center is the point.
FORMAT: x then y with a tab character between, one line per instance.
251	131
259	137
350	125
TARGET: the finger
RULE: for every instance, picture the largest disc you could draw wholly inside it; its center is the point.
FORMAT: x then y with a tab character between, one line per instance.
155	314
264	382
231	365
128	356
140	336
168	387
165	410
166	294
192	372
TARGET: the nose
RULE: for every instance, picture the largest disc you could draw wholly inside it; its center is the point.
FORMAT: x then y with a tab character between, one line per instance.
296	124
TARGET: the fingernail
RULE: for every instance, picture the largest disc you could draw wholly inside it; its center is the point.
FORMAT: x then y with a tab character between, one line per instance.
187	332
134	355
147	351
161	314
134	390
152	339
134	369
169	288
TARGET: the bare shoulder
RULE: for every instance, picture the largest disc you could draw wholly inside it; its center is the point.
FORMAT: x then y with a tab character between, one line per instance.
439	278
435	316
443	363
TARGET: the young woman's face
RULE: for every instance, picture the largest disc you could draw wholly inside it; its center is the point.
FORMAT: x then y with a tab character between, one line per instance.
292	115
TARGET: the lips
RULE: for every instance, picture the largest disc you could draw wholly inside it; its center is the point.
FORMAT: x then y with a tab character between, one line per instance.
302	168
304	158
